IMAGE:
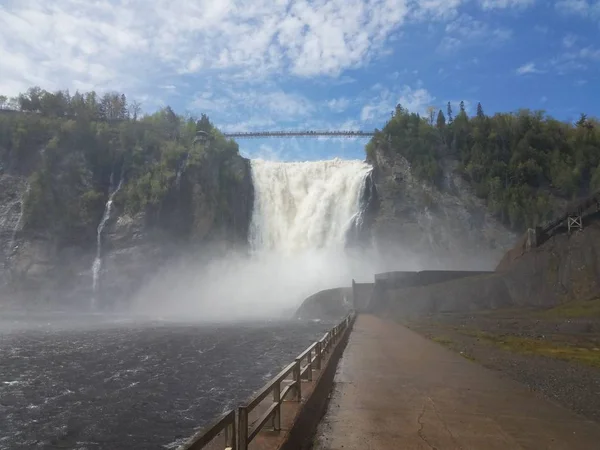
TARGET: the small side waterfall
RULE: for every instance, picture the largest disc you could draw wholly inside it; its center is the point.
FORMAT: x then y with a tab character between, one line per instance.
97	266
19	223
181	166
11	219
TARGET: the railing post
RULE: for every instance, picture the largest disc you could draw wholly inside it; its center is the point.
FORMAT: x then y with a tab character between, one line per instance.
242	428
277	413
318	355
310	367
297	381
230	437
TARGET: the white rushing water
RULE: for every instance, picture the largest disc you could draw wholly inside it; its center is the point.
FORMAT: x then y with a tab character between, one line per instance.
305	206
301	217
98	260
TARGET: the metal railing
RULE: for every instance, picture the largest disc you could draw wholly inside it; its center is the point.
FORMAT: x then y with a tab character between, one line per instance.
308	133
286	382
225	424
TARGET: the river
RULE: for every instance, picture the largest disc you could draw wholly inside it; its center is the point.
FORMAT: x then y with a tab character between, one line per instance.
110	382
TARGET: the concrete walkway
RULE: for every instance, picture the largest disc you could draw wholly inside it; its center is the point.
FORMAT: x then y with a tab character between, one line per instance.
397	390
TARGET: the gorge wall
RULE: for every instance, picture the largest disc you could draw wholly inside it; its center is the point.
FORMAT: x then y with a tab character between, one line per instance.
54	190
439	228
311	226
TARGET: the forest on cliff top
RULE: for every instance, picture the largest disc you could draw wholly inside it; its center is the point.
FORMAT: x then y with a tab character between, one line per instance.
526	165
74	149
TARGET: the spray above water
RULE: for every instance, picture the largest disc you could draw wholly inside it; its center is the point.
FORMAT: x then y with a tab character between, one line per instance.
302	215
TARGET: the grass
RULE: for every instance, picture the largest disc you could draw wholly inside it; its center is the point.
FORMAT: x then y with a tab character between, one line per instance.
442	340
587	353
575	309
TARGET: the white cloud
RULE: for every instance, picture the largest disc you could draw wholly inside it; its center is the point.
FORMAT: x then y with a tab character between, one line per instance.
569	40
120	44
576	59
503	4
585	8
338	104
468	31
380	108
245	106
437	9
527	69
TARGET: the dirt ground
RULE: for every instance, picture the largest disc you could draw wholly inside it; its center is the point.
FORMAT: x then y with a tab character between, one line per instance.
555	352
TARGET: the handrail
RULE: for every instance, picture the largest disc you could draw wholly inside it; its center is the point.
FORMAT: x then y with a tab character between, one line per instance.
201	439
279	386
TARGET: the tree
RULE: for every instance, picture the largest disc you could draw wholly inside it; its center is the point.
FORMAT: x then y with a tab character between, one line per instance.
462	106
123	110
582	120
480	113
134	110
449	112
431	114
204	124
441	120
3	101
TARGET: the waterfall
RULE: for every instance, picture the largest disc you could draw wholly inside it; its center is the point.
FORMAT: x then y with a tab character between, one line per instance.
98	261
303	213
304	206
19	223
181	166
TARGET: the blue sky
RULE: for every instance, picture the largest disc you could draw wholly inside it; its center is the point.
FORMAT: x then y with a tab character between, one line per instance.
322	64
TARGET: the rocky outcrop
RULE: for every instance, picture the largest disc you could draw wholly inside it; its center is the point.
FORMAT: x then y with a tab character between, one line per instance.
427	227
329	304
564	268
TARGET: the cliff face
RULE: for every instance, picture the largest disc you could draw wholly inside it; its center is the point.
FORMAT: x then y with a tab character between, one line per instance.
207	205
429	227
566	267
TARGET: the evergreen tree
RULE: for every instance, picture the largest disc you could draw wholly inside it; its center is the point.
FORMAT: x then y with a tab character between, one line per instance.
441	120
480	113
449	113
462	106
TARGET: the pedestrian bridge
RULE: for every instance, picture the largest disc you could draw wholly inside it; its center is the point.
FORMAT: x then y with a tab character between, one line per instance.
307	133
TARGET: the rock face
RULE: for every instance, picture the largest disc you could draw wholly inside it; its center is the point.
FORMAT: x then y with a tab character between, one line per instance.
326	305
566	267
199	211
434	228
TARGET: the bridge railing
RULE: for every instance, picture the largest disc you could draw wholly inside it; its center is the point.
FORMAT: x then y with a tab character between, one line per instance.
225	425
307	133
285	386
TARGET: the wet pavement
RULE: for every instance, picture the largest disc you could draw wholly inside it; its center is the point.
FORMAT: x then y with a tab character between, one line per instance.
395	389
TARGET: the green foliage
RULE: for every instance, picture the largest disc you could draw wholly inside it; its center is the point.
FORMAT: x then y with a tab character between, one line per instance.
75	149
523	164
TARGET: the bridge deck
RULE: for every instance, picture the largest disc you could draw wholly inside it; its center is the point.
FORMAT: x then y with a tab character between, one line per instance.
309	133
397	390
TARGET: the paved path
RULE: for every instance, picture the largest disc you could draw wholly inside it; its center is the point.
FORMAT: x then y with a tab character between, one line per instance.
397	390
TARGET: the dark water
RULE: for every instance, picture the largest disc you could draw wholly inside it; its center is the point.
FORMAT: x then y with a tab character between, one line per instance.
88	382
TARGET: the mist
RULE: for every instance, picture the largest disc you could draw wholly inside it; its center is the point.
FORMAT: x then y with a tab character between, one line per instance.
251	287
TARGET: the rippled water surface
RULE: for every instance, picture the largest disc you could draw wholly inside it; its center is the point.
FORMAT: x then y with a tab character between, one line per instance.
91	382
